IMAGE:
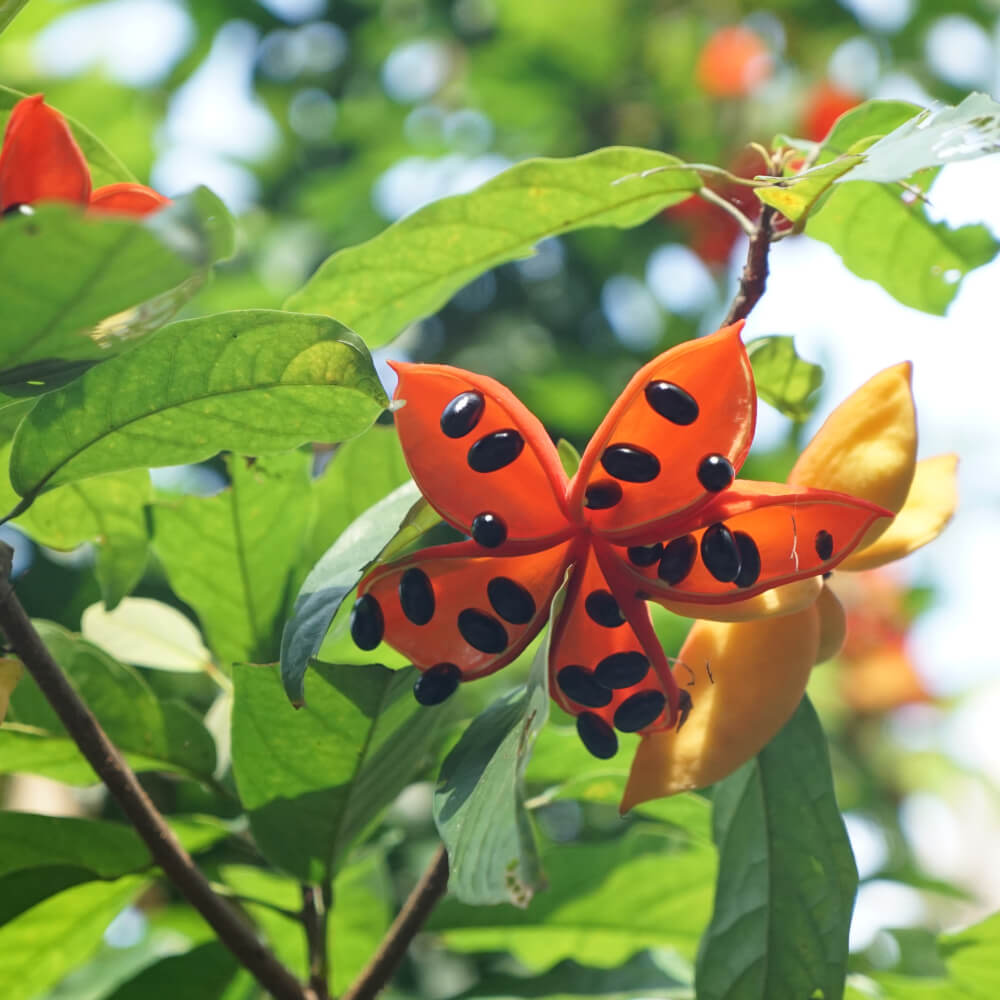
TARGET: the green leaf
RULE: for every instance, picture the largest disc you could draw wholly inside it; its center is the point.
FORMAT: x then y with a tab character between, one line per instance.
783	379
78	290
417	264
606	901
402	515
41	945
154	734
795	196
865	123
884	238
786	875
479	800
253	382
568	456
109	510
203	973
9	9
313	779
231	556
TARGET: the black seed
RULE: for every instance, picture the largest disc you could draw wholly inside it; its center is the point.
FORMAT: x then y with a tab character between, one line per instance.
645	555
639	711
489	530
677	560
579	685
510	600
630	463
598	737
749	560
481	631
437	684
495	451
720	553
716	473
602	495
367	623
672	402
462	414
416	596
603	609
824	544
621	670
19	208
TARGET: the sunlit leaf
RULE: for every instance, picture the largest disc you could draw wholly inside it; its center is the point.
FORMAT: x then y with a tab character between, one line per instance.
783	379
9	10
568	456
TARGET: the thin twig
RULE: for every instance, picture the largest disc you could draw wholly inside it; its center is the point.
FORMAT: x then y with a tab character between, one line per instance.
753	280
417	908
231	927
314	917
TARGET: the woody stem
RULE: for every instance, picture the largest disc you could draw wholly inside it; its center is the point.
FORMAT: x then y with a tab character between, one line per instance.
753	280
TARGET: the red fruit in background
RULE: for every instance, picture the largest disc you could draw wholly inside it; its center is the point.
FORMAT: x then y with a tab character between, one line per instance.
734	61
824	105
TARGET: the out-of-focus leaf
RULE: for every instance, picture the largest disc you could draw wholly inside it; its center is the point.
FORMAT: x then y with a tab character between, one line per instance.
146	633
783	379
401	516
109	510
606	901
203	973
568	456
231	556
154	734
787	877
417	264
252	382
41	945
77	290
313	779
479	800
9	10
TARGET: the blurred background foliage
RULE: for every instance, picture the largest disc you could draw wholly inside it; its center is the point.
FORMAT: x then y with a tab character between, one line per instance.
320	122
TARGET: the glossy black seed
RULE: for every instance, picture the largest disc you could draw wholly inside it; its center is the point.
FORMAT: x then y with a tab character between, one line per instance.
602	495
672	402
603	609
630	463
495	451
677	559
481	631
416	596
462	414
749	572
510	600
621	670
19	208
579	685
437	684
598	737
824	544
716	473
367	623
720	553
639	711
489	530
645	555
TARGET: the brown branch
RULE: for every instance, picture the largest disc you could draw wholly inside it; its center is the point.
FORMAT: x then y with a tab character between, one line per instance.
233	930
753	280
417	908
315	912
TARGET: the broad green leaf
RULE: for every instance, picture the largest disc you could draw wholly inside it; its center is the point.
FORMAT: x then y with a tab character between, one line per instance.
41	945
231	556
865	123
568	456
77	290
783	379
313	779
882	237
402	514
203	973
605	902
787	877
252	382
109	510
9	10
417	264
479	800
154	734
146	633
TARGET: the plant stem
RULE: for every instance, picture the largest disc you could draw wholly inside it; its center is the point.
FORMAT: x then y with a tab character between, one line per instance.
417	908
314	918
753	280
233	930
